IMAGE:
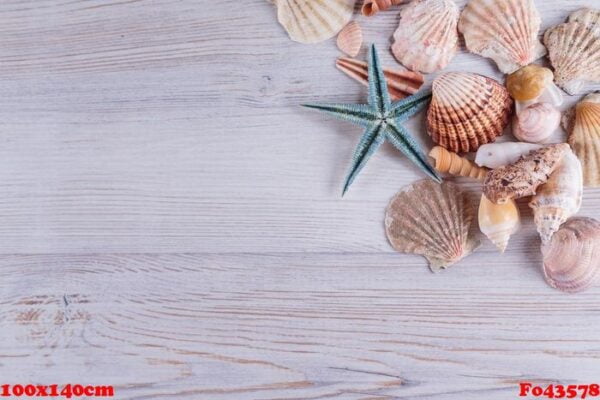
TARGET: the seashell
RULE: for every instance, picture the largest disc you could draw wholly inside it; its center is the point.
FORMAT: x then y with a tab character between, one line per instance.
573	50
536	123
427	39
533	84
498	221
494	155
583	127
372	7
466	111
522	178
452	163
572	257
504	30
400	83
559	198
313	21
350	39
433	220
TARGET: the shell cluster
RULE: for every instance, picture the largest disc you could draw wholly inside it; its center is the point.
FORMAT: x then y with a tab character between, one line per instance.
372	7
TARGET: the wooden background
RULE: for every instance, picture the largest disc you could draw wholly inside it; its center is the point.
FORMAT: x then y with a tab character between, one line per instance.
171	222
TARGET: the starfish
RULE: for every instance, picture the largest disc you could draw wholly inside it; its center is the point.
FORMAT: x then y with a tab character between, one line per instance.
382	121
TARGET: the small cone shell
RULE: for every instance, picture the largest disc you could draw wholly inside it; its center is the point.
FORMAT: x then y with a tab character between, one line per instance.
584	137
350	39
498	221
522	178
494	155
452	163
372	7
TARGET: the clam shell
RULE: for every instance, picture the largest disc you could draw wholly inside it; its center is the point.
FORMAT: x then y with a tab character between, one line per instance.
466	111
350	39
400	83
498	221
427	39
522	178
312	21
433	220
536	123
574	49
372	7
504	30
449	162
584	137
559	198
496	155
572	256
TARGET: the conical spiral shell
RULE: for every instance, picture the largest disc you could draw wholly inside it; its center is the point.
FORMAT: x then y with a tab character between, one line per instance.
573	49
494	155
350	39
427	38
466	111
504	30
536	123
572	256
312	21
584	137
559	198
433	220
498	221
452	163
372	7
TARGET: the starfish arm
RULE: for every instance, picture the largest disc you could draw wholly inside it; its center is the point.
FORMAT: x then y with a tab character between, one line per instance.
359	114
369	143
403	141
379	97
406	108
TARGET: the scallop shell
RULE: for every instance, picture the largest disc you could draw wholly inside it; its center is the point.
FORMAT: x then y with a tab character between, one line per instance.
559	198
372	7
433	220
466	111
536	123
533	84
452	163
350	39
494	155
522	178
312	21
400	83
572	257
504	30
573	50
584	137
427	39
498	221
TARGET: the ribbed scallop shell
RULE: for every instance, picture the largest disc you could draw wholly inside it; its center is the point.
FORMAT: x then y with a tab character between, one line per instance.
572	257
574	50
498	221
504	30
584	137
350	39
433	220
372	7
536	123
312	21
451	163
427	37
466	111
494	155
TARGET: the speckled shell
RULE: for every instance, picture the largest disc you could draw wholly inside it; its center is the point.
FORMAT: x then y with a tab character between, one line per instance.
504	30
498	221
451	163
466	111
401	83
350	39
522	178
312	21
496	155
559	198
433	220
536	123
427	39
584	137
573	50
572	256
372	7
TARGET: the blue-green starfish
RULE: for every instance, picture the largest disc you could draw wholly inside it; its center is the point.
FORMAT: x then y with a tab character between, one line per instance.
382	120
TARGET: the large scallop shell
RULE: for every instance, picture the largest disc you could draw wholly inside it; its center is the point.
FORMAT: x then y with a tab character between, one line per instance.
449	162
466	111
494	155
584	137
350	39
427	38
536	123
559	198
572	256
574	50
504	30
372	7
433	220
498	221
312	21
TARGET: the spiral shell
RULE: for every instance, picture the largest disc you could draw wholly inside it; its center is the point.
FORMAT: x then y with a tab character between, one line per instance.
584	137
494	155
536	123
466	111
427	39
498	221
372	7
452	163
350	39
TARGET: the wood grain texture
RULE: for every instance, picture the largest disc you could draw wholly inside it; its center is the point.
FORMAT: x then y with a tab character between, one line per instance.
171	222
